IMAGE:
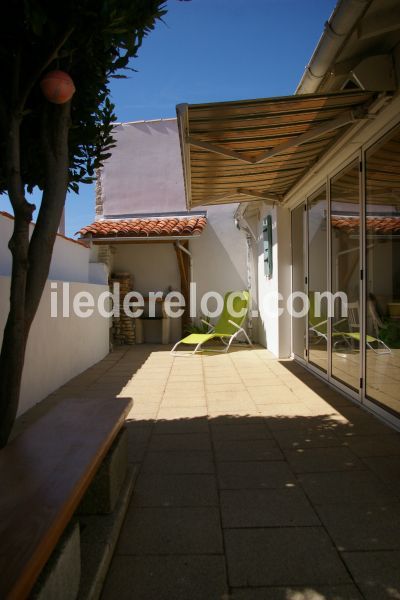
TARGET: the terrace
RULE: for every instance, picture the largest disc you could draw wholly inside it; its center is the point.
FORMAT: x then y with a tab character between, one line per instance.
255	480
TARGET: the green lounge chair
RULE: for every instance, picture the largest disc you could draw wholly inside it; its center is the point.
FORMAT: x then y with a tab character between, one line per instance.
319	325
228	327
353	316
320	328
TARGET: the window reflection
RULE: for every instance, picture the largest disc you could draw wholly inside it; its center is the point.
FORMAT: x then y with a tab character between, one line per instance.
345	273
317	279
298	324
383	272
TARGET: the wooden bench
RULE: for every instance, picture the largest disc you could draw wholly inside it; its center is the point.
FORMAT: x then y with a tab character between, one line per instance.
44	474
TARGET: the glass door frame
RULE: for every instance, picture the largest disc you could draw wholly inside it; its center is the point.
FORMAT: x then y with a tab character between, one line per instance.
357	395
374	407
360	394
302	359
322	185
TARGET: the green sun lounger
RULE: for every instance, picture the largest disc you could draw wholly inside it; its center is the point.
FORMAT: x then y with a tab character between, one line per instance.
320	329
228	327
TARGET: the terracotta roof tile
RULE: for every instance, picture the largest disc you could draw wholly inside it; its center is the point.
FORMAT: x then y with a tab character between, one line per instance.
379	225
151	227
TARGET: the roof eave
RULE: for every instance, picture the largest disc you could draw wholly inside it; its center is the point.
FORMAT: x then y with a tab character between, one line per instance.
338	28
143	238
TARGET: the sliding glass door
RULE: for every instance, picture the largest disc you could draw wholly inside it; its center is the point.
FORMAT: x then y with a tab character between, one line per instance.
382	241
345	275
317	210
338	273
347	242
298	279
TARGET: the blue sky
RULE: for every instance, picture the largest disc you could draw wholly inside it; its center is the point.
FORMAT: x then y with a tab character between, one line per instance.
206	51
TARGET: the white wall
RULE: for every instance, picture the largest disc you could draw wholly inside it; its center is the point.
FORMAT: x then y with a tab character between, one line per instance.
268	288
219	254
70	261
58	348
144	173
274	331
219	261
6	225
153	267
284	279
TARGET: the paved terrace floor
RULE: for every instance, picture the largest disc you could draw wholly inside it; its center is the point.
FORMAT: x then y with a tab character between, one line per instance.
256	482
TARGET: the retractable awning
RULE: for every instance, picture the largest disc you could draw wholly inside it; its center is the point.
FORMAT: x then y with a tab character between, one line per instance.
259	149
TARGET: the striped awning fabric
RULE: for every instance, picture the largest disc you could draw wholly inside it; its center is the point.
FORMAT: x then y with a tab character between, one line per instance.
244	150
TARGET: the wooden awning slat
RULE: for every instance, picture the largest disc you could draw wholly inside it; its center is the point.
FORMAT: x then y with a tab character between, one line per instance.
222	142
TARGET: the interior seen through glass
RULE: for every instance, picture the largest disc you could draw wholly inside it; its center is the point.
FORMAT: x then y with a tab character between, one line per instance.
378	304
383	272
317	279
345	274
298	282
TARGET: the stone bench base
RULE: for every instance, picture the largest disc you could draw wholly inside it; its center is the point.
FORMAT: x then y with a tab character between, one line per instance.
78	566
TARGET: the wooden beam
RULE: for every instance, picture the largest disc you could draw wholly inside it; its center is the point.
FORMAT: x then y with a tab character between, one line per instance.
183	265
219	150
346	118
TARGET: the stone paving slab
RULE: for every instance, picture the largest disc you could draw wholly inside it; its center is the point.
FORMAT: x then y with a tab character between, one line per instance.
253	475
166	578
175	490
307	438
183	530
298	592
282	556
376	573
362	526
239	450
286	507
350	486
184	441
176	461
189	412
322	460
253	464
187	426
387	468
375	445
251	431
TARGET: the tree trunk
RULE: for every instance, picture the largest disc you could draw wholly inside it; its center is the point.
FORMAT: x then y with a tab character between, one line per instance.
31	259
15	335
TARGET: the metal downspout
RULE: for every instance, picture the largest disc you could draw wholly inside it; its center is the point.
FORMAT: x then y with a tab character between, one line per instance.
340	25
